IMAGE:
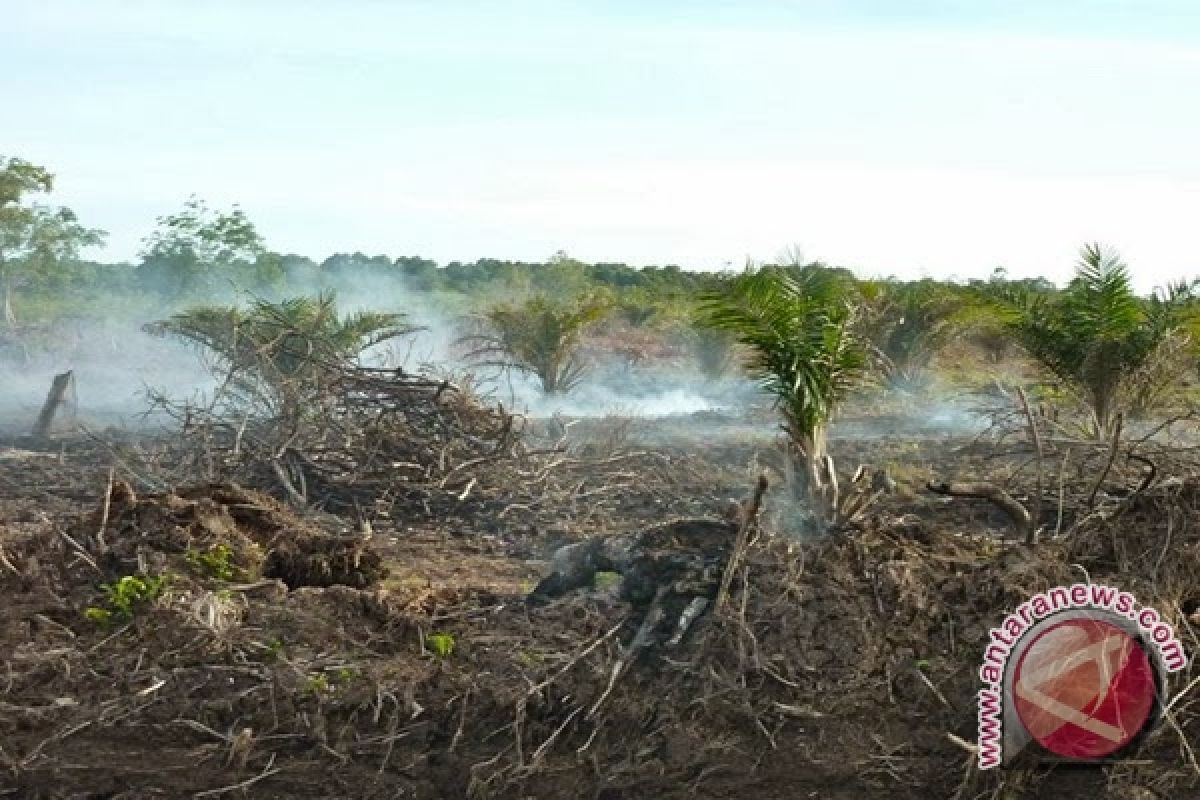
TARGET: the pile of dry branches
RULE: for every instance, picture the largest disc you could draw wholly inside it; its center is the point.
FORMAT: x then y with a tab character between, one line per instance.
391	445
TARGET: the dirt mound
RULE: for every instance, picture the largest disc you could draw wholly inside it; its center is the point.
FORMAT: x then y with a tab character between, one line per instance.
220	531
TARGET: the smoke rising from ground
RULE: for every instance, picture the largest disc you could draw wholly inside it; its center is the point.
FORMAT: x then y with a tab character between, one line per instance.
115	362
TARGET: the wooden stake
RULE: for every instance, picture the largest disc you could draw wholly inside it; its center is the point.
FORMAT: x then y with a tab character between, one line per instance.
739	543
1035	505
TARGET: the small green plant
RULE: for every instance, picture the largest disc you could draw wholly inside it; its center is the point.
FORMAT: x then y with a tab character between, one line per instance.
326	682
442	644
799	329
100	616
317	684
279	357
274	649
606	580
216	562
127	595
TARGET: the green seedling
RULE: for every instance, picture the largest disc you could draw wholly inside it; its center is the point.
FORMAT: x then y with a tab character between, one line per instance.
442	644
606	580
274	649
127	595
216	562
100	616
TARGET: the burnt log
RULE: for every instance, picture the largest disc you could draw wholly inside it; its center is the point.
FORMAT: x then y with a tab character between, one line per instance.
62	394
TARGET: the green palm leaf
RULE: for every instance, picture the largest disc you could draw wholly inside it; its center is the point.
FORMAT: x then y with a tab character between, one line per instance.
278	356
797	328
1097	332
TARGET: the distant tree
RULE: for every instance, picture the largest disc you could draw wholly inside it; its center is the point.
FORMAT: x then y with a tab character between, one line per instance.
299	270
419	274
37	242
1097	335
906	324
191	253
714	350
562	277
348	266
981	325
539	336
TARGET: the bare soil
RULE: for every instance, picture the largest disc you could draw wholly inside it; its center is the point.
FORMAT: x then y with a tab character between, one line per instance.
408	664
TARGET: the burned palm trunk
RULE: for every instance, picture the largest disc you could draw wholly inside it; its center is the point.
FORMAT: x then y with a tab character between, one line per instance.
61	396
575	566
670	574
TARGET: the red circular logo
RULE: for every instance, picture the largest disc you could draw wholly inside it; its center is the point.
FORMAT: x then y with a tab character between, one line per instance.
1084	688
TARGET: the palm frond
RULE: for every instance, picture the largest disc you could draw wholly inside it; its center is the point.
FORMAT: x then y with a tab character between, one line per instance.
797	328
279	355
540	337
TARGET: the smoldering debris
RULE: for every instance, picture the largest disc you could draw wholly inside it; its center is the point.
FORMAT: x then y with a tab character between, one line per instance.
113	366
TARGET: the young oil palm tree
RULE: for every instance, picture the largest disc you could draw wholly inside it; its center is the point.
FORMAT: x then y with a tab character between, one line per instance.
539	336
1096	334
278	358
798	326
906	324
714	351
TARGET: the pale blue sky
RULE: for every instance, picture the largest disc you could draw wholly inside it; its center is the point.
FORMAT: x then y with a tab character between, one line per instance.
911	138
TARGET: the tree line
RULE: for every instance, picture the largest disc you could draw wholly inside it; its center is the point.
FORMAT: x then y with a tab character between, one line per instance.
810	333
200	252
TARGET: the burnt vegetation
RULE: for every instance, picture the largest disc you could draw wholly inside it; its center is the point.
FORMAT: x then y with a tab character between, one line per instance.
339	570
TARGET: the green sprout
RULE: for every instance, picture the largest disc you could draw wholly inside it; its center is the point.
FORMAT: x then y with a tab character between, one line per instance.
127	595
274	649
606	580
216	562
442	644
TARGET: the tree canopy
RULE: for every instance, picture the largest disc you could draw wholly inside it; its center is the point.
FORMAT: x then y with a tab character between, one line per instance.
37	242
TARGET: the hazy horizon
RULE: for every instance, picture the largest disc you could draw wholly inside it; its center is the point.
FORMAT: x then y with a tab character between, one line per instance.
913	139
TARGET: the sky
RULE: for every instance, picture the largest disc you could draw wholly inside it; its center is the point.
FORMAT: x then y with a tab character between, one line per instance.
896	137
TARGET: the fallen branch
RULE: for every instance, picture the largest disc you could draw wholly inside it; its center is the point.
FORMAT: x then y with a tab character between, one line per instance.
105	511
298	500
639	642
982	490
266	773
1148	477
